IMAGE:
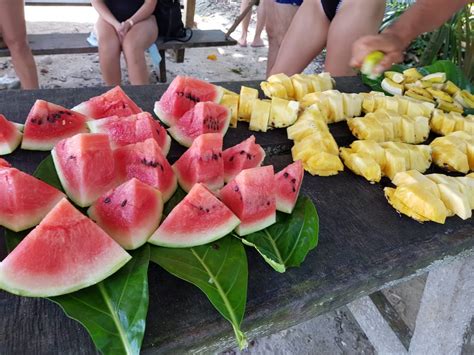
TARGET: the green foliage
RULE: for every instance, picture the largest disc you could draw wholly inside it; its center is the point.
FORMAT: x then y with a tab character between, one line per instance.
287	242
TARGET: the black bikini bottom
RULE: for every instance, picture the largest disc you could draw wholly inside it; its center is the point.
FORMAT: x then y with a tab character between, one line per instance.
330	8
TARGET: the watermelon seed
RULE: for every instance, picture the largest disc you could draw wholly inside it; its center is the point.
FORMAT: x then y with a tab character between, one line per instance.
236	189
268	203
285	175
231	158
220	155
293	181
69	113
242	152
124	203
214	156
207	210
158	131
107	200
249	156
72	157
294	190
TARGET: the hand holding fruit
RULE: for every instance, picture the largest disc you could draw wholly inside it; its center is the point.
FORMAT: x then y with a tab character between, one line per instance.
389	43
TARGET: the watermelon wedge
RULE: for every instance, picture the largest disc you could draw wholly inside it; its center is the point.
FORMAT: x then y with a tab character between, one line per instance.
245	155
251	196
205	117
182	95
64	253
10	136
132	129
114	102
288	184
130	213
4	163
48	123
198	219
24	200
85	166
202	163
146	162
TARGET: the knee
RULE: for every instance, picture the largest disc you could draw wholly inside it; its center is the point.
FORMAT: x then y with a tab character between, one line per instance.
132	52
17	44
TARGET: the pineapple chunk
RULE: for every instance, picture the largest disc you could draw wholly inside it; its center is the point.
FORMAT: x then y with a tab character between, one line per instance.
352	105
336	106
371	148
260	115
451	88
395	163
418	160
315	82
402	104
273	89
228	92
283	112
232	103
368	102
361	164
323	164
408	130
301	85
455	201
285	81
400	206
325	81
450	158
247	97
414	176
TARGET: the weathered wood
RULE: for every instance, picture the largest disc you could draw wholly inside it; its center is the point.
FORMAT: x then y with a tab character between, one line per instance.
363	245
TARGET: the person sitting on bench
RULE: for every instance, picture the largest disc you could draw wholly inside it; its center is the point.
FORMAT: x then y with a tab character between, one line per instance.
13	32
129	27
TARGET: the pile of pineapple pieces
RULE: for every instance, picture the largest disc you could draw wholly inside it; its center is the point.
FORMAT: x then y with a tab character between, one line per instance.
433	88
432	197
454	152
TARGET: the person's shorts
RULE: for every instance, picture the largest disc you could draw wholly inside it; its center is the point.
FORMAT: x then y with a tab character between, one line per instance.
290	2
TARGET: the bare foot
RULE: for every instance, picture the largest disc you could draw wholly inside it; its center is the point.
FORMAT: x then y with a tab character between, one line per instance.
257	42
242	42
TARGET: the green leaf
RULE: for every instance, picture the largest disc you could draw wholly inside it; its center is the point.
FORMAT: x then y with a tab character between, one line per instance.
219	269
47	173
114	311
173	201
287	242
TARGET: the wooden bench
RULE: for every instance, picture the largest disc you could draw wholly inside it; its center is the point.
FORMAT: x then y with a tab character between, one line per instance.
76	43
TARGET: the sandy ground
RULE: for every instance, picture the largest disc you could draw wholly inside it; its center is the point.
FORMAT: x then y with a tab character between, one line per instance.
333	333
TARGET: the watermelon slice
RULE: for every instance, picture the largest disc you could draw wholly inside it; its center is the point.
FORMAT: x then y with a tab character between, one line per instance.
251	196
85	166
182	95
114	102
4	163
198	219
244	155
146	162
10	136
64	253
132	129
130	213
288	184
48	123
24	200
202	163
205	117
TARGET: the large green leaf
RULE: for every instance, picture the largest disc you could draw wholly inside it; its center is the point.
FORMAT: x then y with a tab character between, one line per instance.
112	311
287	242
219	269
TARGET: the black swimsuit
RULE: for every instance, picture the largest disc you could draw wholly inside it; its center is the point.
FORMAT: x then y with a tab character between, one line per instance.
330	7
123	9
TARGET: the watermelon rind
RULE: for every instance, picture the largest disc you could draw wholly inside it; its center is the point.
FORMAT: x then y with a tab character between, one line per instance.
163	116
248	228
285	201
19	282
19	126
9	147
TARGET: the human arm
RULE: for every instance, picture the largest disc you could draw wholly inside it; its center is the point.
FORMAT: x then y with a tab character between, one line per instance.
421	17
105	13
144	12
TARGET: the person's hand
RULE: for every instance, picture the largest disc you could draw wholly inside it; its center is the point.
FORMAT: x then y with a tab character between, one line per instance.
118	29
390	44
124	28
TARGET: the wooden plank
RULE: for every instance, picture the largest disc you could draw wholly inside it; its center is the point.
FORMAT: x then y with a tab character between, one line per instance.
189	11
57	3
363	245
76	43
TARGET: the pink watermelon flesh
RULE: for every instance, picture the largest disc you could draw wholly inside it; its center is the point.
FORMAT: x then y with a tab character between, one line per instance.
146	162
114	102
10	136
132	129
202	163
288	184
85	166
24	200
198	219
130	213
251	196
205	117
4	163
64	253
244	155
48	123
182	95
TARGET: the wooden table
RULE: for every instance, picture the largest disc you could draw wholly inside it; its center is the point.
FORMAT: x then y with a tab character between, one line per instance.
364	244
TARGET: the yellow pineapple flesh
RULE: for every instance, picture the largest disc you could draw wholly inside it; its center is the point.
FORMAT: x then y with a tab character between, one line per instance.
247	97
260	115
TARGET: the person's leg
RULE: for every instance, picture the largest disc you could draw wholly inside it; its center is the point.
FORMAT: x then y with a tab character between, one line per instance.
109	52
261	18
13	30
278	20
352	21
245	24
140	37
304	40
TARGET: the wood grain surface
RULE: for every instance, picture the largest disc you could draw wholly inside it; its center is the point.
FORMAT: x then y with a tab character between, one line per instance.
364	243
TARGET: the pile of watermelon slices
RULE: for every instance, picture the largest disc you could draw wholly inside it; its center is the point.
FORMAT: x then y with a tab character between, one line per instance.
120	173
